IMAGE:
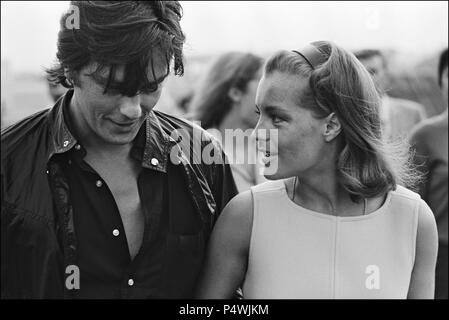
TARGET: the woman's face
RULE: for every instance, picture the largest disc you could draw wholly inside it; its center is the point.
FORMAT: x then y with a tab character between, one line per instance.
300	145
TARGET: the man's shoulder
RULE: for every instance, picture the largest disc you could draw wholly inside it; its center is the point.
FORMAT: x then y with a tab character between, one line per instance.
170	123
22	131
22	150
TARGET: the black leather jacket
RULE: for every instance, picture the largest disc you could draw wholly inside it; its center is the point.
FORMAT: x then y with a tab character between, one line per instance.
38	239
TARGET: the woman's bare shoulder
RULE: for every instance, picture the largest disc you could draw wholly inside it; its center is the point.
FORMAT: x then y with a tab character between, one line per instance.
239	210
235	222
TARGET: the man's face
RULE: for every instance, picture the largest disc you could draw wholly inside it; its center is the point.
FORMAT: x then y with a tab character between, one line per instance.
376	67
111	117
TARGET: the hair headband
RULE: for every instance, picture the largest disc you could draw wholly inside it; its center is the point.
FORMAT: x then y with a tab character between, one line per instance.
312	55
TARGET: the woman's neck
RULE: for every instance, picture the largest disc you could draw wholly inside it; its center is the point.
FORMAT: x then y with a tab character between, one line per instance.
320	190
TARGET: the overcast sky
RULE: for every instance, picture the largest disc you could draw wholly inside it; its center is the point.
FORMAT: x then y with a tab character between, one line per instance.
29	29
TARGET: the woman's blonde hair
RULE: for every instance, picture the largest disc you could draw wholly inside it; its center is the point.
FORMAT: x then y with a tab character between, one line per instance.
367	165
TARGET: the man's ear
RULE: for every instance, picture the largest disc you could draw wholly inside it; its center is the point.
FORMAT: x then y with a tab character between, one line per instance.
235	94
332	127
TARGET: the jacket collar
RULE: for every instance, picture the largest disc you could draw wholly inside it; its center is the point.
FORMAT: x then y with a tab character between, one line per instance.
157	143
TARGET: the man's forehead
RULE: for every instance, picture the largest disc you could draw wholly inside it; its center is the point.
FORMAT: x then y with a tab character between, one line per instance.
160	71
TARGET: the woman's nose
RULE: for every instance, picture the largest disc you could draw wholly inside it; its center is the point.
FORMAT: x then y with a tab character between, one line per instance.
130	107
262	138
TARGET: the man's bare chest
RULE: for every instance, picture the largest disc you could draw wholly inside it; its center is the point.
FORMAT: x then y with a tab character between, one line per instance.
122	180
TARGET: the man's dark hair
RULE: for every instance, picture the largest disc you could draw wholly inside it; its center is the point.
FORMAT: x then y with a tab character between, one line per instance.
442	64
370	53
116	33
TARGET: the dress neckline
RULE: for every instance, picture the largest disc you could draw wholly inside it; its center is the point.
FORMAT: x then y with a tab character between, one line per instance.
373	214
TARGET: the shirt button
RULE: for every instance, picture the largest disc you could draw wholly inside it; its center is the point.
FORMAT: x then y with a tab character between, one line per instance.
98	183
70	161
116	232
154	162
77	147
130	282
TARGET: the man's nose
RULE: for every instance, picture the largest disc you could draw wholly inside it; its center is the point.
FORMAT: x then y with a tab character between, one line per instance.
130	107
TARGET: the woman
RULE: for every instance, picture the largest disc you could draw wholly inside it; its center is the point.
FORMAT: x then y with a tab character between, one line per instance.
225	101
338	224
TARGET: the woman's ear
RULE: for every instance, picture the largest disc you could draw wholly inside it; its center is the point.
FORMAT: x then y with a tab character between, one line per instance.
333	127
235	94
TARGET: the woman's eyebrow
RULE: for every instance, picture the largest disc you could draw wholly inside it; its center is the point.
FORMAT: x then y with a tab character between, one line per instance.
273	108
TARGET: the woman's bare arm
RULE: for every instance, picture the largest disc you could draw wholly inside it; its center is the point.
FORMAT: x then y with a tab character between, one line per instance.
422	283
227	255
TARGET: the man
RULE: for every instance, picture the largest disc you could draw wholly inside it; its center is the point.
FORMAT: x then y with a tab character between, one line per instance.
430	139
100	199
398	116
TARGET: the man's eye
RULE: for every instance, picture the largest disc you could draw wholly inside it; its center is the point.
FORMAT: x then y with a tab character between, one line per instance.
257	111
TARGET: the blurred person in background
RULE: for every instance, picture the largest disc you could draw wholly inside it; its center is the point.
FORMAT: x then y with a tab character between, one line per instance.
93	204
56	90
398	116
225	100
336	223
430	139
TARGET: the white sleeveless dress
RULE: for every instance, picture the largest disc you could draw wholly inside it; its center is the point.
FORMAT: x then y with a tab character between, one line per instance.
296	253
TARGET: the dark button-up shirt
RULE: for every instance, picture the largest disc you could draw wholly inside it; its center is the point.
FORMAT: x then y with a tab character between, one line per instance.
42	235
103	258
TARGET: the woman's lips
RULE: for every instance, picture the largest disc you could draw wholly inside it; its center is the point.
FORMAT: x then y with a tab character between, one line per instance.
266	157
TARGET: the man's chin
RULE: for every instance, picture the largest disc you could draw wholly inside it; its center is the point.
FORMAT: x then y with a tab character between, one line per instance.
120	139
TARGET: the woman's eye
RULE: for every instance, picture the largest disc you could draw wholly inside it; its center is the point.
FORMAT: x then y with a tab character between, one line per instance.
276	119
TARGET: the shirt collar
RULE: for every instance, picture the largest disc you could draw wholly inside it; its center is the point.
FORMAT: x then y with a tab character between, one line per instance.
156	143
